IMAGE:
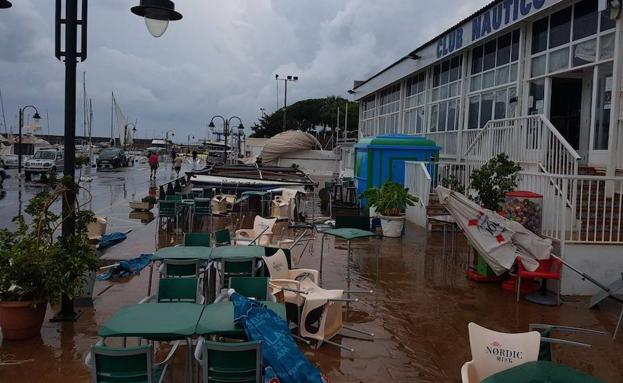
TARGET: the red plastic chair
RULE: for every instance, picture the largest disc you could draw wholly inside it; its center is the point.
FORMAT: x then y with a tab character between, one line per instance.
550	268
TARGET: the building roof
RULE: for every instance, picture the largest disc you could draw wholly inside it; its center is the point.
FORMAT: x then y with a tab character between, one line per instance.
413	54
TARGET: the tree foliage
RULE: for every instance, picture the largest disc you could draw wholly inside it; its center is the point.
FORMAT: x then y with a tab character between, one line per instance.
311	115
493	180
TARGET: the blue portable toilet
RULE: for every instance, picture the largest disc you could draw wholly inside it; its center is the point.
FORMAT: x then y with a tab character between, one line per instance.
379	158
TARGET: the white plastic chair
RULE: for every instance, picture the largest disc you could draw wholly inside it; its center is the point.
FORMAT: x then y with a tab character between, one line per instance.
262	228
494	351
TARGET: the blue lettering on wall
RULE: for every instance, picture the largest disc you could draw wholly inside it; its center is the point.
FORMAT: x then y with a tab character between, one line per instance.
537	4
476	25
486	24
507	10
450	42
496	17
459	38
525	7
515	9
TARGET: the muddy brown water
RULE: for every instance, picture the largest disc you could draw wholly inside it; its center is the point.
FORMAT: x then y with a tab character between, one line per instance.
419	312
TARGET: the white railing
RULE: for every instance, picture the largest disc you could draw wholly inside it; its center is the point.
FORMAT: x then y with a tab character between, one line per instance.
529	140
449	171
418	181
580	209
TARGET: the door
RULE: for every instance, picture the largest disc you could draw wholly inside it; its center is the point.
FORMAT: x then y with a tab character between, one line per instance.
566	108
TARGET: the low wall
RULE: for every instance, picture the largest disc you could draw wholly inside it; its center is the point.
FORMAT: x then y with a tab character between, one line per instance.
602	262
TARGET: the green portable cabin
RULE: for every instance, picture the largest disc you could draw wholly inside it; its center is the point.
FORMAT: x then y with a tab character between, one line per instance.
379	158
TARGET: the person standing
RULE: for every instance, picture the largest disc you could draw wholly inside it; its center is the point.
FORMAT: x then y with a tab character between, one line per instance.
153	164
173	157
195	157
177	165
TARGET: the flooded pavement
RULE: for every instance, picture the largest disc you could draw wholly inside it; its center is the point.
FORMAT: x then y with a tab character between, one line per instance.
419	309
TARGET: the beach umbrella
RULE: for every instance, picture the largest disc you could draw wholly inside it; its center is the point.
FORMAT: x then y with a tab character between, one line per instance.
497	239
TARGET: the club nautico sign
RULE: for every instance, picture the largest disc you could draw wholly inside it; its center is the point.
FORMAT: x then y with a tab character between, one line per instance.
499	17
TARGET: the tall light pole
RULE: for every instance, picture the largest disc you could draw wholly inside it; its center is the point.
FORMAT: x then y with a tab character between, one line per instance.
285	94
35	117
188	141
166	140
226	132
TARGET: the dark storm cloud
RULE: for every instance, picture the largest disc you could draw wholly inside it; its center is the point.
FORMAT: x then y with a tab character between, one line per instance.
221	58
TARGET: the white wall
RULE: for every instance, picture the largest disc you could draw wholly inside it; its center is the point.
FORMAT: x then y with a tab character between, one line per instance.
321	162
604	263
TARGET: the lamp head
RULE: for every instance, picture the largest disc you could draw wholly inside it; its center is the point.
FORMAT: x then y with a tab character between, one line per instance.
36	116
241	127
4	4
157	14
211	125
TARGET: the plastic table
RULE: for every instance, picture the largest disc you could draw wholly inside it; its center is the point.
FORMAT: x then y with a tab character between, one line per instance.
541	371
154	321
218	318
202	253
344	233
237	252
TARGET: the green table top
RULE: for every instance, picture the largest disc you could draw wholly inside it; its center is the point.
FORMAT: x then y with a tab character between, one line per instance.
154	321
218	318
541	372
255	192
229	252
349	234
183	252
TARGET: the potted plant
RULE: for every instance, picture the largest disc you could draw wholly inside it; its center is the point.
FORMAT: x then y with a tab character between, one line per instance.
37	267
493	180
146	204
390	201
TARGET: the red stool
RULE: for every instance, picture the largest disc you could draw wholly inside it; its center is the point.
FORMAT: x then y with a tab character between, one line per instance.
550	268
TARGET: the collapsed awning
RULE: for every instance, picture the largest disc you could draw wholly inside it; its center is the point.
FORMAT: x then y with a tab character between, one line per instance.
288	142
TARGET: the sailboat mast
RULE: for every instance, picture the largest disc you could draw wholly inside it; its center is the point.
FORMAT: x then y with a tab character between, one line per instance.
47	120
112	137
84	105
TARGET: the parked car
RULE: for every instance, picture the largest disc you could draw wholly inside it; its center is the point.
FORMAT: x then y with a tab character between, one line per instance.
11	160
44	161
112	157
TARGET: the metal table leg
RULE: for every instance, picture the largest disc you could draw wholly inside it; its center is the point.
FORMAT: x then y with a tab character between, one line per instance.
321	258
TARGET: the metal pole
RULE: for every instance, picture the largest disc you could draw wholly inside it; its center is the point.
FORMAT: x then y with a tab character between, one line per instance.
21	147
67	312
285	102
225	132
346	123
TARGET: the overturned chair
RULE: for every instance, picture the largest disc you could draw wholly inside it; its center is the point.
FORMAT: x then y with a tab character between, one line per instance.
261	233
318	311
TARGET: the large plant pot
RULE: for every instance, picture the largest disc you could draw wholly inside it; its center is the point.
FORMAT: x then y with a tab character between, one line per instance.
392	226
21	320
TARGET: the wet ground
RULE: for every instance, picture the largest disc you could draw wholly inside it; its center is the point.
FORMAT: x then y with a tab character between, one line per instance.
419	310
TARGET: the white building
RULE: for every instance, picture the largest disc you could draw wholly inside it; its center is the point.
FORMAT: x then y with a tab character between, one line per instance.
540	80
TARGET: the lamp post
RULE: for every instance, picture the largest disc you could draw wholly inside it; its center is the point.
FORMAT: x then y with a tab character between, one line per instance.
157	14
226	132
188	141
35	117
285	94
167	138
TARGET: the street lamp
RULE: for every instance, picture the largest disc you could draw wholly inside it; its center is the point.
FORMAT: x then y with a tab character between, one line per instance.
166	141
35	117
226	132
4	4
157	14
188	141
285	94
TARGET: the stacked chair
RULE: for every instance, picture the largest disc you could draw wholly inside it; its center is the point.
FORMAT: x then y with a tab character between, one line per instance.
261	233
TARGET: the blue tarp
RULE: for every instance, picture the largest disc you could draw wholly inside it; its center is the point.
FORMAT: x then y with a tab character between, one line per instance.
127	268
111	239
279	350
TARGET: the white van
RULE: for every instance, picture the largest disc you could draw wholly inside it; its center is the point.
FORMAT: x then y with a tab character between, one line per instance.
48	160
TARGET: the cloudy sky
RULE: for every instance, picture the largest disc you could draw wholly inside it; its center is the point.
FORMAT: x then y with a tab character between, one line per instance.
221	58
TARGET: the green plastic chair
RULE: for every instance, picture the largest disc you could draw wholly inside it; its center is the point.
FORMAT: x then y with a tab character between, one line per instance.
180	268
132	364
202	208
222	237
175	197
173	290
244	267
230	362
197	239
167	210
251	287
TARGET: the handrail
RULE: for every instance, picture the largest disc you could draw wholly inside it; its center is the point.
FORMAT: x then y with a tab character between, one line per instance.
560	138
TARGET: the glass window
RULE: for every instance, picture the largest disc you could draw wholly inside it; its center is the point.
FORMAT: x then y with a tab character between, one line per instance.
455	68
477	59
515	46
500	104
538	66
501	75
604	104
560	28
441	122
584	52
606	47
420	120
476	83
445	71
606	21
474	107
537	95
513	74
539	35
452	112
486	108
558	60
584	19
488	79
512	102
504	50
489	59
436	75
434	117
